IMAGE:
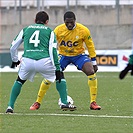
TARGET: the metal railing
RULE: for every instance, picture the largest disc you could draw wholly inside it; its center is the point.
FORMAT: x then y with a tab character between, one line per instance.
67	3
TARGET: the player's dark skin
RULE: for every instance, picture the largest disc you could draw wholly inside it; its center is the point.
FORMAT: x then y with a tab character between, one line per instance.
88	68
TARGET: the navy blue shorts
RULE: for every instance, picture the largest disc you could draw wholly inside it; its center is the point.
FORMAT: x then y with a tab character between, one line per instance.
78	61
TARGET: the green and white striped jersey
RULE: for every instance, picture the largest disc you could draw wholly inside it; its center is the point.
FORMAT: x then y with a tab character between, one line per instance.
39	42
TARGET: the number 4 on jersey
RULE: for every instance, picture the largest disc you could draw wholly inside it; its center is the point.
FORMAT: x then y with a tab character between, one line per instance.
34	38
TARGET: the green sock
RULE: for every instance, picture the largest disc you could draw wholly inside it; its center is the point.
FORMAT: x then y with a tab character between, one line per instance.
14	93
62	89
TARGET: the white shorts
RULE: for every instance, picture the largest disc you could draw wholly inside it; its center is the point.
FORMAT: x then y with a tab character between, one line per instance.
29	67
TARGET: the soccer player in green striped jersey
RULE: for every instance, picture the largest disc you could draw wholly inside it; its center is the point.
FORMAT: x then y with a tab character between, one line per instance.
40	56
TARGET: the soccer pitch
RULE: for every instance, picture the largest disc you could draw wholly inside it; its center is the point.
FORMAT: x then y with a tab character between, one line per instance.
114	96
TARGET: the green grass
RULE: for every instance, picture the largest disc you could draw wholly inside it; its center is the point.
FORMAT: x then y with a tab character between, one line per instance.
114	95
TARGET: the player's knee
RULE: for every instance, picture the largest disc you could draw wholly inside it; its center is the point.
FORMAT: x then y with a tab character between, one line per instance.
62	76
47	82
91	72
20	80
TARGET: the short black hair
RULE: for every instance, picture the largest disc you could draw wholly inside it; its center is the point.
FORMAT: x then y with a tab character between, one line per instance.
41	17
69	14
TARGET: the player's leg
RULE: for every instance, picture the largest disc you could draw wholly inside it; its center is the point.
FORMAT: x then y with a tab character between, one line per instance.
15	91
62	86
45	85
26	71
92	82
62	90
47	70
84	64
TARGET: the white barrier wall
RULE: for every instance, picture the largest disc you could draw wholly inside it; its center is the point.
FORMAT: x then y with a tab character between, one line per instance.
108	61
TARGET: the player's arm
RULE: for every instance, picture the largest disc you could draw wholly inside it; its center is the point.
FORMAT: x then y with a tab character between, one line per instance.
56	32
14	49
53	51
54	55
128	68
91	48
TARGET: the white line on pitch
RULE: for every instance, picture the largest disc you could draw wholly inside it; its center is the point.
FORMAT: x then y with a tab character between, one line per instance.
74	115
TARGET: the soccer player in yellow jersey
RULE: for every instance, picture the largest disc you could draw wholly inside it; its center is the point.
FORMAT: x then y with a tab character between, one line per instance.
71	37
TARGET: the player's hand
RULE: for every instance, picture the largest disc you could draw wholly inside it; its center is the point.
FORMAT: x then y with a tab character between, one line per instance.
95	68
124	72
58	75
15	64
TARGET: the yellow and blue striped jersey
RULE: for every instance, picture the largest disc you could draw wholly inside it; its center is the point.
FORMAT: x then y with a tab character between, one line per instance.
72	42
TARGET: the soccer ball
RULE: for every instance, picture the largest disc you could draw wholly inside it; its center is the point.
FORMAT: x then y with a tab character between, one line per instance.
69	100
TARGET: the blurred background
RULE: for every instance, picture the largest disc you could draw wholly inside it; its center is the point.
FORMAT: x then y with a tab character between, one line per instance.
110	21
